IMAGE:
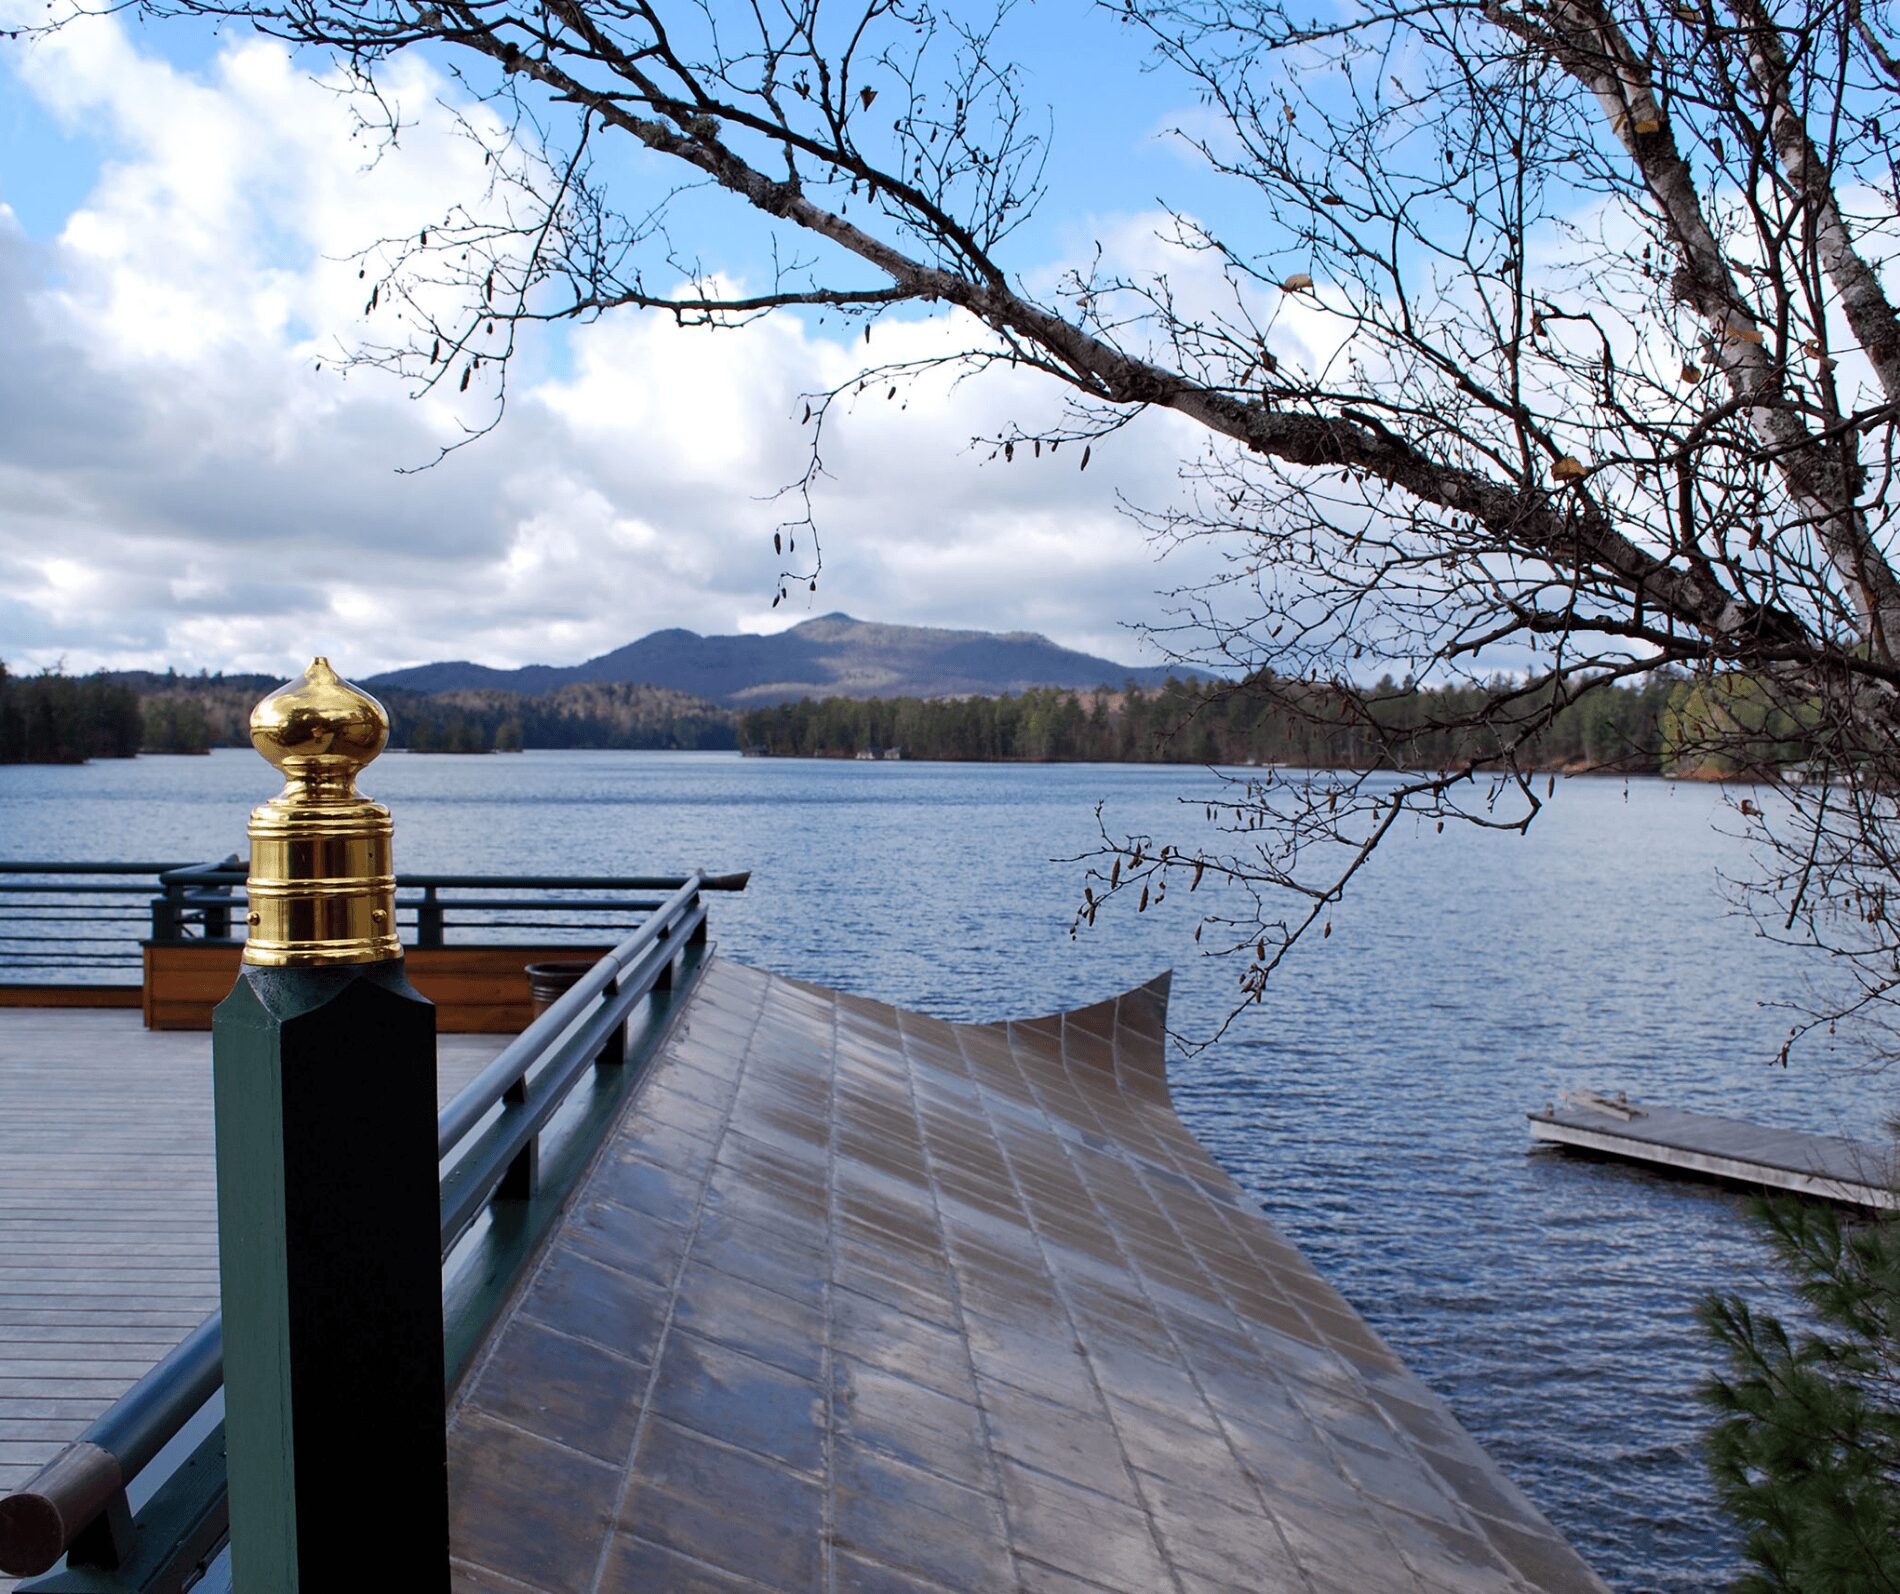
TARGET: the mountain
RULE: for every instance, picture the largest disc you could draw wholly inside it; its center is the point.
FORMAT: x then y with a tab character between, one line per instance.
832	656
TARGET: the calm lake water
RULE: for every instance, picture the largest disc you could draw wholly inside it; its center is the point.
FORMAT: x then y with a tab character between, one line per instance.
1374	1103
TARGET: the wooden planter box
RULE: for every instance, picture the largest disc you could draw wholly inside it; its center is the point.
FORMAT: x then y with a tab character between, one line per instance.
477	990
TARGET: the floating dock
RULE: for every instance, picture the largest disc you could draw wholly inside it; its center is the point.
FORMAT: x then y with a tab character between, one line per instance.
1851	1172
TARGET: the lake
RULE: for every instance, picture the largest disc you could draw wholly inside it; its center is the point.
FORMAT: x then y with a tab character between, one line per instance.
1373	1103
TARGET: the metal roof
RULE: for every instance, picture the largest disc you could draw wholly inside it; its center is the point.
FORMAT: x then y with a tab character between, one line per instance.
859	1300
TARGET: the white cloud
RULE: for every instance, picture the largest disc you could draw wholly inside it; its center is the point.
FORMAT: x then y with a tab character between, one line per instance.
179	484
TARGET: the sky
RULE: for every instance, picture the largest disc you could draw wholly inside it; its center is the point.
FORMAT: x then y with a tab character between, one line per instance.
187	480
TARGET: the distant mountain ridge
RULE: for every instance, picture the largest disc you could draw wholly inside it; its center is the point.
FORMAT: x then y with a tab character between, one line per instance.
832	656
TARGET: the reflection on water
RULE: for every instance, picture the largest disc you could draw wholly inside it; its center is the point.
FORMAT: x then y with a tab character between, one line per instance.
1373	1103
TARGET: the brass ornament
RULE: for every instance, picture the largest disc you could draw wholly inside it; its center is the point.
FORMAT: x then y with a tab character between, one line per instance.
322	887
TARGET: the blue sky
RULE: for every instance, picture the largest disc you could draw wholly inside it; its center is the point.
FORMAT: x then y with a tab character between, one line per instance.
179	484
1106	101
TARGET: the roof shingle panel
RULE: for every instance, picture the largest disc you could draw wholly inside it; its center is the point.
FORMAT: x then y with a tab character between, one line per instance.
860	1300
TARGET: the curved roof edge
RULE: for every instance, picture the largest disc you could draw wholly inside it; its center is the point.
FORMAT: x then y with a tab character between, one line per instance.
1125	1036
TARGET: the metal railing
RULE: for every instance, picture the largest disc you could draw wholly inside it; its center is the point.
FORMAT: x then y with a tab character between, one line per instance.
85	923
511	1143
204	901
77	923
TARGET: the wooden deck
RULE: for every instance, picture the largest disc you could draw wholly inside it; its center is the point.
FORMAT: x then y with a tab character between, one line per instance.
1728	1149
108	1226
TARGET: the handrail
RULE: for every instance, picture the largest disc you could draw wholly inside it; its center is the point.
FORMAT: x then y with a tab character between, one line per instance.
137	1426
548	904
77	1501
80	918
195	903
17	866
53	1511
235	874
513	1061
207	887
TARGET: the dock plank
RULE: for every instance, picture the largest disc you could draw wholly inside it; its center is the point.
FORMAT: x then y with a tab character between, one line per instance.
1732	1150
108	1211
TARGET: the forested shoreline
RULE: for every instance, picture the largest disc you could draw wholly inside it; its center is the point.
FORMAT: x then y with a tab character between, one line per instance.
612	715
56	718
52	718
1667	723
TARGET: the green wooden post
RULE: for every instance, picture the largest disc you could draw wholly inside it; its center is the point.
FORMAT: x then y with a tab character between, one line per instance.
329	1207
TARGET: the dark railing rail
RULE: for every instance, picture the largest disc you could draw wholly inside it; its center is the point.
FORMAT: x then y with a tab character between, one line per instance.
84	922
199	901
74	923
494	1165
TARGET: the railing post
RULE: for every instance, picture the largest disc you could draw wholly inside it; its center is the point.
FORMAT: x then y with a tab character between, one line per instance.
168	924
429	919
218	917
663	981
522	1177
328	1202
613	1050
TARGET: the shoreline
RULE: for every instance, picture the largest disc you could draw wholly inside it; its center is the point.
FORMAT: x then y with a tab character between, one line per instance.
1567	771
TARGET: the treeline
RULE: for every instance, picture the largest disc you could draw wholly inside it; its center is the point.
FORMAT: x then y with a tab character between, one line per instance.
615	715
52	718
1667	724
195	713
56	718
176	725
192	713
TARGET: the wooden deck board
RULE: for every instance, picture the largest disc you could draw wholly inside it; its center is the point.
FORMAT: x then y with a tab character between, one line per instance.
1729	1149
108	1214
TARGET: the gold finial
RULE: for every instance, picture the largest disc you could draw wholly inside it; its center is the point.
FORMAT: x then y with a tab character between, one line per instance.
320	730
322	888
